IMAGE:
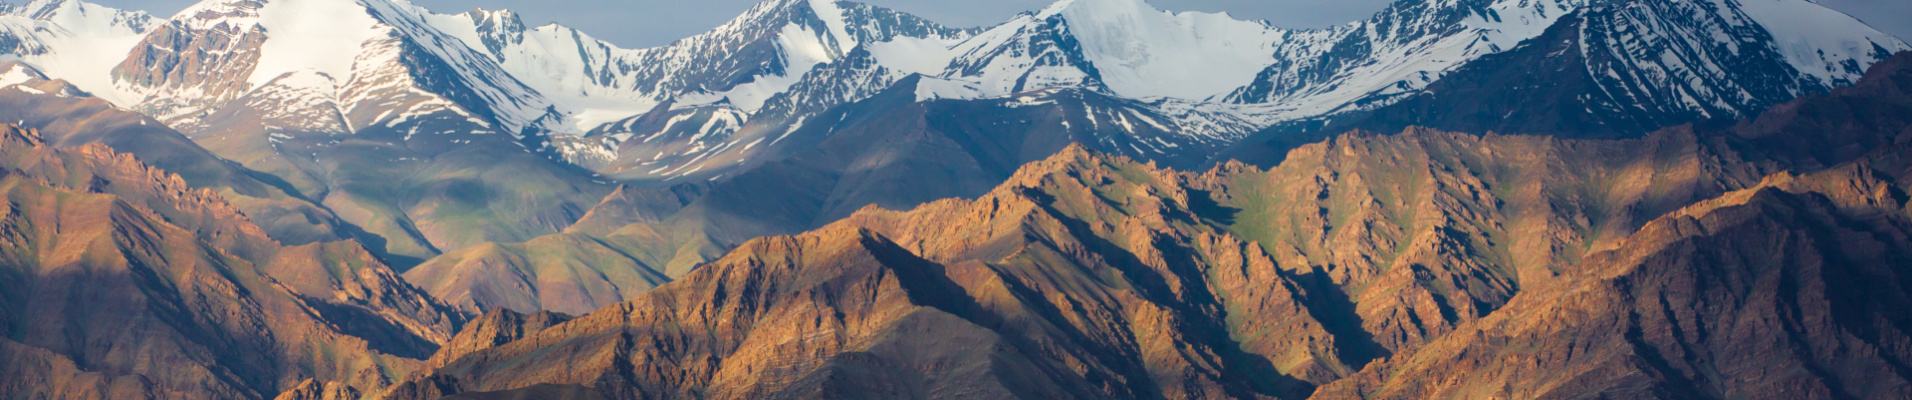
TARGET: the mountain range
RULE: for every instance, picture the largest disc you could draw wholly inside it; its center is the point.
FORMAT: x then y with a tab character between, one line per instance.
1761	261
342	199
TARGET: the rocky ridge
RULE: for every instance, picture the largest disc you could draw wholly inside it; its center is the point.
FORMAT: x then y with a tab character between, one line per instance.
128	283
1728	298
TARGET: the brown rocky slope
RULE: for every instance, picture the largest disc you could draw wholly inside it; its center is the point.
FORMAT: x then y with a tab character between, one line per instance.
1792	290
65	117
124	283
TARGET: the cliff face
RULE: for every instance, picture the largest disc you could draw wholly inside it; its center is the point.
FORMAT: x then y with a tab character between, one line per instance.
123	282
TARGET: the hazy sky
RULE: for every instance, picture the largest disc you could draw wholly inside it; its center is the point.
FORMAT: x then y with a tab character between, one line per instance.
644	23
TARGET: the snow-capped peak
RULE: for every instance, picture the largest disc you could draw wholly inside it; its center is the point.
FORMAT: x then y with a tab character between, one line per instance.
73	40
324	36
743	63
234	15
803	33
87	19
376	53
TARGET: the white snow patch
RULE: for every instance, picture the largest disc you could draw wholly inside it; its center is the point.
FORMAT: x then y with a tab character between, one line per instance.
929	57
793	129
673	122
833	19
1144	52
935	89
590	118
14	76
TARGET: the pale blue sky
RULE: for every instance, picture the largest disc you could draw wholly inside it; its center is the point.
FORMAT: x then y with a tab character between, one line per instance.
644	23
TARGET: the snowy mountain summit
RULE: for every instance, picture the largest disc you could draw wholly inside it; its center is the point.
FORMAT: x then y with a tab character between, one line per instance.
370	62
1218	77
343	66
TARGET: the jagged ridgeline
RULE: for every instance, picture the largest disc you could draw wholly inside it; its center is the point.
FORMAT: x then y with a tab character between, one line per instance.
366	199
